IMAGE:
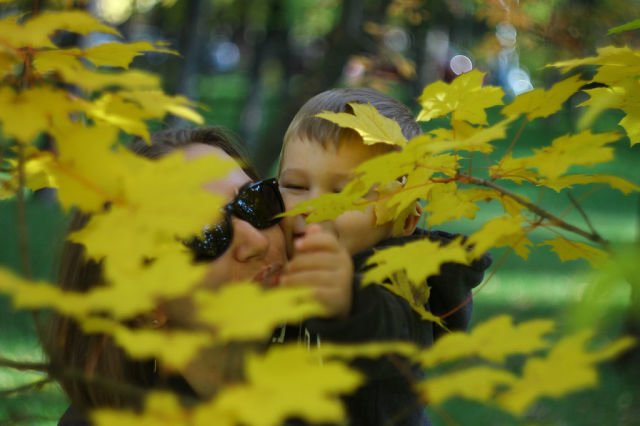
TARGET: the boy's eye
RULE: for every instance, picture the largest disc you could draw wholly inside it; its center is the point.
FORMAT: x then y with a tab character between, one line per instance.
292	186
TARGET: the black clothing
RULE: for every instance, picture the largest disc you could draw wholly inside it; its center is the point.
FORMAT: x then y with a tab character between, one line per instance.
379	315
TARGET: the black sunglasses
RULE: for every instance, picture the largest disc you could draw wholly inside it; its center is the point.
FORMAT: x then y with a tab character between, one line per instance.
257	203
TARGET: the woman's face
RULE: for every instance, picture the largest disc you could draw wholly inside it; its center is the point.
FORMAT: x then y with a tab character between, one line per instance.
254	254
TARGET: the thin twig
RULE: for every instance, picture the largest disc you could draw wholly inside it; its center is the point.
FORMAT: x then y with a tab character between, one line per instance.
582	197
21	365
23	235
480	287
515	139
56	373
582	212
23	388
556	221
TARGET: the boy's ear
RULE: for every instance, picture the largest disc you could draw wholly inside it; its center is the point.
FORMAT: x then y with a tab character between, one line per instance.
411	221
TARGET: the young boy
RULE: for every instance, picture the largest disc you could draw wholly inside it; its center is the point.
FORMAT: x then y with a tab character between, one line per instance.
318	157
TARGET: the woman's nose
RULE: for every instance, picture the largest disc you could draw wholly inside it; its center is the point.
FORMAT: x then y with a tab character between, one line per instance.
248	242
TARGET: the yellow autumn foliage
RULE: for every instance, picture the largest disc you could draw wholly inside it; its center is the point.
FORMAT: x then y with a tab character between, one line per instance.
153	205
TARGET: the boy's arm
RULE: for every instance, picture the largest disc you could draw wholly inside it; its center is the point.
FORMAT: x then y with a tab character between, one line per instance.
376	315
355	313
451	288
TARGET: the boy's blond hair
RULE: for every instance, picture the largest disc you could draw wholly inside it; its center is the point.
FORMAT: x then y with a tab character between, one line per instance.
305	125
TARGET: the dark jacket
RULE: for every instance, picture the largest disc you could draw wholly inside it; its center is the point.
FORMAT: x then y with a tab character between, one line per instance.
378	315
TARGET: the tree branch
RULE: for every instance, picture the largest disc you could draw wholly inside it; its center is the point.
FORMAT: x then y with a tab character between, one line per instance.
582	212
556	221
23	388
19	365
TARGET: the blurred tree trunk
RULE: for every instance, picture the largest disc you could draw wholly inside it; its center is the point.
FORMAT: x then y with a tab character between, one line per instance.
188	46
344	40
263	49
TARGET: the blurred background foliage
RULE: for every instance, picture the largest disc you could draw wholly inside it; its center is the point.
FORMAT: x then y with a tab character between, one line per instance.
252	63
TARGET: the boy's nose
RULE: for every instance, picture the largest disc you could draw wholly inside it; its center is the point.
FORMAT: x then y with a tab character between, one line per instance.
249	243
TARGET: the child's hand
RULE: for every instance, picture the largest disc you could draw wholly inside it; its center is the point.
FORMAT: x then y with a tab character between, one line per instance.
321	262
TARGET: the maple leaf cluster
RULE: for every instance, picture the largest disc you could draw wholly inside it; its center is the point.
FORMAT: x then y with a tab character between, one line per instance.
83	99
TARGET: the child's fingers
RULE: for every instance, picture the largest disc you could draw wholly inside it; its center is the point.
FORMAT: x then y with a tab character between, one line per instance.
317	240
307	278
319	260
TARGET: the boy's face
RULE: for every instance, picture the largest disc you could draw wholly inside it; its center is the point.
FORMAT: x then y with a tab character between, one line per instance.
310	169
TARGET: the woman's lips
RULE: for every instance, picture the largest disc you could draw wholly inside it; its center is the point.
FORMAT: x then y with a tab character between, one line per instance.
269	276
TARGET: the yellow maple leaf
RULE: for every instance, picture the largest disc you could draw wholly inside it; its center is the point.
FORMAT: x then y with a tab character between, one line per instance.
446	202
26	114
120	54
87	171
137	288
157	104
514	169
571	250
161	200
36	31
36	173
367	350
540	103
330	206
420	259
471	139
568	360
112	109
474	383
584	148
623	96
37	295
499	232
129	292
388	167
416	294
613	181
615	64
465	97
620	57
174	348
493	340
66	63
245	311
278	388
8	61
372	126
160	409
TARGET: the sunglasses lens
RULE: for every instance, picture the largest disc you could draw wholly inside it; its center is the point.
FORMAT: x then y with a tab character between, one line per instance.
259	203
215	239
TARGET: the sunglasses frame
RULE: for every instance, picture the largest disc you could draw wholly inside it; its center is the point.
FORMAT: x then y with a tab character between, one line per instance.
216	239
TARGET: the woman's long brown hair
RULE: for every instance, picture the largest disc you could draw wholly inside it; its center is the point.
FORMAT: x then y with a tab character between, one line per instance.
91	369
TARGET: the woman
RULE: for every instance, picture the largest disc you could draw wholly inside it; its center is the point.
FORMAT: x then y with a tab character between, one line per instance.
246	244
